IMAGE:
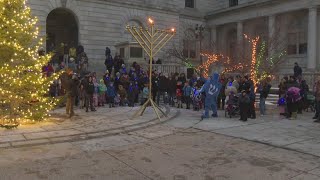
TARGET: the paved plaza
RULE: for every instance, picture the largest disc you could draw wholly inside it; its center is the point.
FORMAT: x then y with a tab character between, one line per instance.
108	144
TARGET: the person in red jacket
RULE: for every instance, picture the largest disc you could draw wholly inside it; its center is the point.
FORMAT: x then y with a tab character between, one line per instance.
179	94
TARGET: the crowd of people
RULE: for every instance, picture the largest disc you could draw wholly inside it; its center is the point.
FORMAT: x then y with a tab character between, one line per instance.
123	85
295	96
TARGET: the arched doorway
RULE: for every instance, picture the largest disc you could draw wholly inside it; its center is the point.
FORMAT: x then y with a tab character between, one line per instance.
62	27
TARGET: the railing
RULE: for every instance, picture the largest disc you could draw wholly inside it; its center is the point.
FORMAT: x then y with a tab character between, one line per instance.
310	78
169	68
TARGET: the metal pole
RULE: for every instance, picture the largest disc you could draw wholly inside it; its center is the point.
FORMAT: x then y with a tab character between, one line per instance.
201	62
150	63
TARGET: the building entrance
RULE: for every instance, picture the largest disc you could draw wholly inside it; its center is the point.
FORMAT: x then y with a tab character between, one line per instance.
62	32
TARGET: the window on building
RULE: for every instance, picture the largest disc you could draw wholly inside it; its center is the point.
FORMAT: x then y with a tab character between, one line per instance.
189	48
122	52
136	52
189	3
233	3
297	43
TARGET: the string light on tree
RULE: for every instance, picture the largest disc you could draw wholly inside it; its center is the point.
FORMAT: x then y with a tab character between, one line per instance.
254	43
23	88
212	58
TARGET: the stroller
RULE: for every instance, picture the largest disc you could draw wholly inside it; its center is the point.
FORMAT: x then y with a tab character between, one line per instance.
197	102
232	106
310	100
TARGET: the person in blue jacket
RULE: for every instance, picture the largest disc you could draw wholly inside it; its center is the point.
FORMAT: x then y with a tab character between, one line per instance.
111	94
211	89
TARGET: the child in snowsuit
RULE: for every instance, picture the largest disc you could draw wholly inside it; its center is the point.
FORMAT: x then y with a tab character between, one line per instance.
179	94
111	93
187	93
102	93
145	94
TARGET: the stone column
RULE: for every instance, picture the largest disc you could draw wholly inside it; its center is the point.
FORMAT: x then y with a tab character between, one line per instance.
312	39
213	39
272	39
239	32
240	48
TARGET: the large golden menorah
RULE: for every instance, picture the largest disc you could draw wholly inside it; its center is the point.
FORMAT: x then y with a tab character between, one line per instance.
152	41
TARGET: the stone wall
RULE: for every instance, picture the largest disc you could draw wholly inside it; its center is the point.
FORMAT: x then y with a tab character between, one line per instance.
102	23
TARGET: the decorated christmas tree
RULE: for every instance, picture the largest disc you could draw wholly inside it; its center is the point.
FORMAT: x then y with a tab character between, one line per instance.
23	86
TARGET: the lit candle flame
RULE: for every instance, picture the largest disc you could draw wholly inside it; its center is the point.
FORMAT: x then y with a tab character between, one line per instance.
150	21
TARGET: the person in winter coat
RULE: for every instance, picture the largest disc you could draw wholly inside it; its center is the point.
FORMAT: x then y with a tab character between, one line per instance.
179	94
317	96
304	89
145	93
109	60
222	95
187	93
89	89
102	93
244	102
264	89
111	93
155	86
171	90
182	78
297	70
123	69
282	87
117	81
163	88
132	92
236	82
96	92
292	106
71	92
123	95
124	80
82	96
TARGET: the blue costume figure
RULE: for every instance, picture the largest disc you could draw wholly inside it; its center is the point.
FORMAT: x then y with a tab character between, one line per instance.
212	89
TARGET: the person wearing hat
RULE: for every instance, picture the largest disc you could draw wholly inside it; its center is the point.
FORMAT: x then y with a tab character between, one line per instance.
89	90
244	102
109	60
72	84
111	94
123	69
297	71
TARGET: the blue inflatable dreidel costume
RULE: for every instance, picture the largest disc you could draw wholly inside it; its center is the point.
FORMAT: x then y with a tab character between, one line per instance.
212	89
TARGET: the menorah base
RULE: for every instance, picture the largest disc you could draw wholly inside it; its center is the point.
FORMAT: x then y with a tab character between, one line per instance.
153	105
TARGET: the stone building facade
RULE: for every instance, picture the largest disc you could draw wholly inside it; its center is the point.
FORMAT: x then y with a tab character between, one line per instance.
97	24
295	23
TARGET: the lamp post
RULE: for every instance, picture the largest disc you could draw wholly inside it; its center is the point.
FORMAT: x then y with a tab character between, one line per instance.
152	41
199	35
